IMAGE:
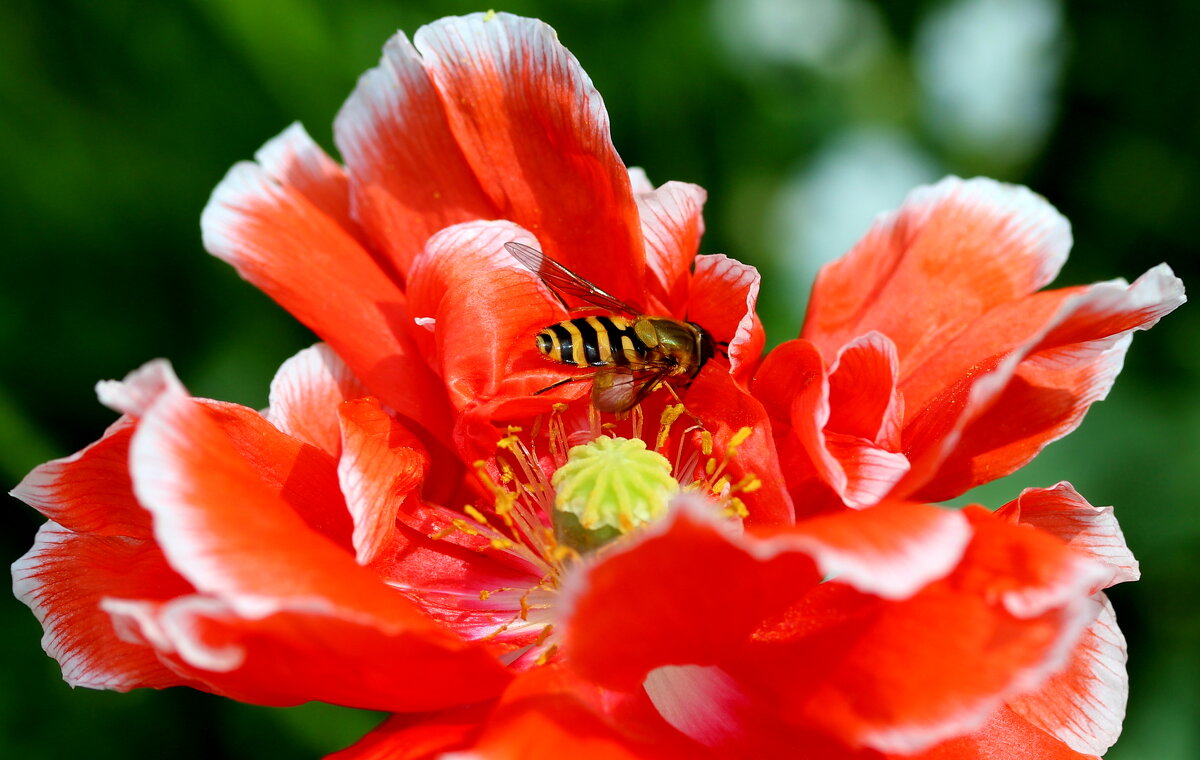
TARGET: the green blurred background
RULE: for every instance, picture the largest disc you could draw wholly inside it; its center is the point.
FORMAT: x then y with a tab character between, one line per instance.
802	119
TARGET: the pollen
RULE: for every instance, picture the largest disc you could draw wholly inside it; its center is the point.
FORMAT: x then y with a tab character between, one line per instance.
614	483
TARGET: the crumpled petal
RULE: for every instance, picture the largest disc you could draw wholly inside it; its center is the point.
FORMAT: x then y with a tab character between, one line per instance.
952	251
382	465
831	657
305	395
300	253
89	491
997	416
271	583
724	293
672	224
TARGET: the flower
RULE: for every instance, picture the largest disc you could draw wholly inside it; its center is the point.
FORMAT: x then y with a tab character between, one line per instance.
928	364
411	526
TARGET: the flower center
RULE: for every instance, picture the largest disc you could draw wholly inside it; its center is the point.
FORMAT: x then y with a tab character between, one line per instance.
607	488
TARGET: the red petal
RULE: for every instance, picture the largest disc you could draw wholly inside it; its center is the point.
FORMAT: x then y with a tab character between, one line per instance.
285	651
626	617
90	491
302	476
900	676
890	550
408	174
548	714
724	292
1062	512
726	409
422	736
294	160
795	389
672	224
64	578
1005	736
486	309
306	393
863	400
534	131
226	530
382	464
994	421
1084	705
951	252
300	254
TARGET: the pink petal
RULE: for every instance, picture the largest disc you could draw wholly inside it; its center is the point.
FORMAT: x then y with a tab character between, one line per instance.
306	393
382	464
535	133
64	578
951	252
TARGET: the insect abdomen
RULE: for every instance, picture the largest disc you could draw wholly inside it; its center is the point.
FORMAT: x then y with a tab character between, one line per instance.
592	342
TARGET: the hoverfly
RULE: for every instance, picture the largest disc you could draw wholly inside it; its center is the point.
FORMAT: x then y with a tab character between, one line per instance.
633	353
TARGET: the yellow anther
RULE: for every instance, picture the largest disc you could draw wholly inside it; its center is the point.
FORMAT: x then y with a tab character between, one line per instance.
525	605
507	442
750	483
544	657
475	514
545	634
737	440
483	595
706	442
738	508
439	535
501	543
464	526
559	408
670	414
511	429
710	466
720	486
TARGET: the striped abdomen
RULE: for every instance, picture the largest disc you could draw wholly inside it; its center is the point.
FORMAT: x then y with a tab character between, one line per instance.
593	342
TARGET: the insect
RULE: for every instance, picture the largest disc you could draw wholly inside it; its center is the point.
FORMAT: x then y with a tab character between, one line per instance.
633	353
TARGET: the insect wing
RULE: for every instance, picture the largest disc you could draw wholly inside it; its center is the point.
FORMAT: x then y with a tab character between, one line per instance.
617	389
563	281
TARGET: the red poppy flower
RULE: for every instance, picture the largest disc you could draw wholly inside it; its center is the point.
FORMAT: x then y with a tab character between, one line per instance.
411	527
929	361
